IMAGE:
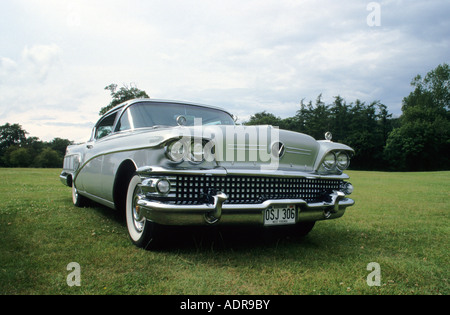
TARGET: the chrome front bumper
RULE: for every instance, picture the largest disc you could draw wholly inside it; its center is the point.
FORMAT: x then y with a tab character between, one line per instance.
233	214
66	178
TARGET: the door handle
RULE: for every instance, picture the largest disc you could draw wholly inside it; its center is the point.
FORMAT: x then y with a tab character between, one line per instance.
89	146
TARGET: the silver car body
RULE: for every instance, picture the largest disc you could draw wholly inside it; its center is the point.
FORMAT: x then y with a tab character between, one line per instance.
254	170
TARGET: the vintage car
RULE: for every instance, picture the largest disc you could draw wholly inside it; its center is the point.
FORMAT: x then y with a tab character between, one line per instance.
169	163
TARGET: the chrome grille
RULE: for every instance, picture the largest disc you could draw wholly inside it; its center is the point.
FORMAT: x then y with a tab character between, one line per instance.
194	189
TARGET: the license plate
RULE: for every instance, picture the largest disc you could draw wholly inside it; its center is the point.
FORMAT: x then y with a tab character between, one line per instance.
280	215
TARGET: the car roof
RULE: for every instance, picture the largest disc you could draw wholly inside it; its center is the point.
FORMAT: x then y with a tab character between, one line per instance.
148	100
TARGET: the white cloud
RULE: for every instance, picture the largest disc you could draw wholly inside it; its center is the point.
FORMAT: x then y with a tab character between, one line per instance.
7	69
41	59
35	86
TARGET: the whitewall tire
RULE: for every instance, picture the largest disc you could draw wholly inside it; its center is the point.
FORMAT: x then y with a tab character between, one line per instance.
143	233
77	199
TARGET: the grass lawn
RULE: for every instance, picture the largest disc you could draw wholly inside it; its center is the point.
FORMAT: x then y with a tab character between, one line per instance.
400	221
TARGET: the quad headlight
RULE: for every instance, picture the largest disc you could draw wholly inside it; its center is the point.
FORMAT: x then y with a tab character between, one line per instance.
343	160
335	161
176	151
195	151
329	162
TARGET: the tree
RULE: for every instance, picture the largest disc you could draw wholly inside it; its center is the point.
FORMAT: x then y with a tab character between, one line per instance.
437	84
313	120
384	121
339	118
48	158
12	135
16	150
422	141
365	134
264	118
121	95
18	157
60	145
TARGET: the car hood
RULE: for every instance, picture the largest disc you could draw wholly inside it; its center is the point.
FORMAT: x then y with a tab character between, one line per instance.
235	147
263	147
250	147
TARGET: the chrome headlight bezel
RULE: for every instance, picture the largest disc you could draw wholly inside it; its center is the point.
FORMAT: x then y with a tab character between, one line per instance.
176	151
335	162
342	160
163	186
194	151
329	161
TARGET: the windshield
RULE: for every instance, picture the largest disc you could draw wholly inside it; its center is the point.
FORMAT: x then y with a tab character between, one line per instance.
141	115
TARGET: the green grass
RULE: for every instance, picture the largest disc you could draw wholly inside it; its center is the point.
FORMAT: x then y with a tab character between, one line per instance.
400	220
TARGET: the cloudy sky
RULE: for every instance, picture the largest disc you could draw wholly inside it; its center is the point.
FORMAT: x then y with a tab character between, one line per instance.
247	56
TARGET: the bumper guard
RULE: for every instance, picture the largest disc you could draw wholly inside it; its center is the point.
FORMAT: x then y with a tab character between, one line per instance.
218	211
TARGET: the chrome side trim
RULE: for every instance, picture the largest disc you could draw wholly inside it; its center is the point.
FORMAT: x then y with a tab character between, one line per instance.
102	201
293	150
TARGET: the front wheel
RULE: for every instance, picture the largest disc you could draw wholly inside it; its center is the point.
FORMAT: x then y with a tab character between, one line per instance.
77	199
143	233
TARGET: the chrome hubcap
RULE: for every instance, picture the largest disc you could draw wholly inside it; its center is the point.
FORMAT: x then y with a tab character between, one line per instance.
138	219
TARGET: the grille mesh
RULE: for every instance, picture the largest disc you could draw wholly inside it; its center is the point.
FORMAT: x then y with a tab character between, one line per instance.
188	189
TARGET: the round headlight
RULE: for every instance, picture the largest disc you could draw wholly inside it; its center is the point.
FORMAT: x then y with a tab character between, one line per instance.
343	161
176	151
196	151
329	161
209	151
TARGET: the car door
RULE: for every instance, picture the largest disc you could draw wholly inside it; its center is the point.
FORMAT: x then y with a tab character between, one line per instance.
90	178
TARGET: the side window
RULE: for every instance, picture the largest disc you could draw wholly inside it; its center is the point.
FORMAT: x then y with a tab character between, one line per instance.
105	127
126	121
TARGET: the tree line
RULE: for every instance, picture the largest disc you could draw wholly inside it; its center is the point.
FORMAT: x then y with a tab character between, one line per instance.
19	150
418	140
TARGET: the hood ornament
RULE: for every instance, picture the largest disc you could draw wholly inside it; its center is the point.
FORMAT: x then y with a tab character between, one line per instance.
181	120
328	136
